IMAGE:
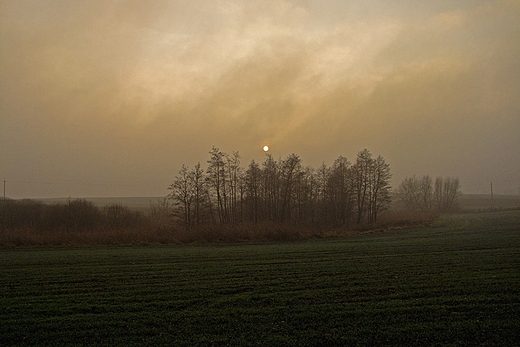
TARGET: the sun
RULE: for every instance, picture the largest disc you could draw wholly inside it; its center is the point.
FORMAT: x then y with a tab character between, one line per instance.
266	148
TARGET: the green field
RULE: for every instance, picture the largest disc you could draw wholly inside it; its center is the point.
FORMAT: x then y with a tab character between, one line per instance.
454	283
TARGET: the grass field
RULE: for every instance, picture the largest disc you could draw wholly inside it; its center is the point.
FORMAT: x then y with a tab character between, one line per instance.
483	202
454	283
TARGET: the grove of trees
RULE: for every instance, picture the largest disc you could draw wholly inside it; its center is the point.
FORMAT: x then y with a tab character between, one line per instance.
282	191
277	199
425	194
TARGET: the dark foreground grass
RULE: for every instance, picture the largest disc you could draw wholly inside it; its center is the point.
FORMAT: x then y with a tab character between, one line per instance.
454	283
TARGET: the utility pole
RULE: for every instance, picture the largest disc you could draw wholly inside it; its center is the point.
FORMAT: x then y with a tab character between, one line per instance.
4	188
491	190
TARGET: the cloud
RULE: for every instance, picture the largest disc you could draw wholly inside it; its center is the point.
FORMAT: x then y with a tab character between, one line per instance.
129	91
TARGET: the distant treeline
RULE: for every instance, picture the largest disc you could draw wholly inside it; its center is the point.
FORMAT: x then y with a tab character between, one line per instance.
80	222
75	215
274	200
282	191
425	194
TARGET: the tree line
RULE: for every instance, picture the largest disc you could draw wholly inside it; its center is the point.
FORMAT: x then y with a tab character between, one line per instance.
75	215
282	191
425	194
269	200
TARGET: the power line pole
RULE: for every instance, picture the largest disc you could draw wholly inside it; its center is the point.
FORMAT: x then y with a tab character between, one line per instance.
491	191
4	188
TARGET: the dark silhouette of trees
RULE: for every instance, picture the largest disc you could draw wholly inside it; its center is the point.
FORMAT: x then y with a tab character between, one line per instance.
182	192
189	192
224	178
73	216
380	198
341	187
199	189
233	174
270	188
361	171
20	214
217	182
282	191
253	180
372	186
290	170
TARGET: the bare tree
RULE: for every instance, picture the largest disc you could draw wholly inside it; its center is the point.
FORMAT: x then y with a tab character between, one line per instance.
182	194
425	195
271	188
372	186
380	189
407	193
161	213
217	181
253	177
362	172
199	193
233	174
322	197
446	193
341	185
306	192
290	170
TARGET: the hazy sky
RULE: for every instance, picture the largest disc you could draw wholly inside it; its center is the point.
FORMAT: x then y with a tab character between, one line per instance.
111	97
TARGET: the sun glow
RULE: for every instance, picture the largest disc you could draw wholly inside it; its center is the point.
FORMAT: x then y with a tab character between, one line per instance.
266	148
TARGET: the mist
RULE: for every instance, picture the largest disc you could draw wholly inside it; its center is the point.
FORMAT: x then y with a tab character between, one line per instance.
110	98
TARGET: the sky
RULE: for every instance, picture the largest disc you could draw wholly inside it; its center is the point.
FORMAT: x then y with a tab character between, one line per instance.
107	98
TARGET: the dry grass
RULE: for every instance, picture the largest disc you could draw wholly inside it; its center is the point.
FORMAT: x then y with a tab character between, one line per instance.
403	218
231	233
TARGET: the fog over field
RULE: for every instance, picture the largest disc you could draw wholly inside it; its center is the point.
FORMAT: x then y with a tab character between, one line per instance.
110	98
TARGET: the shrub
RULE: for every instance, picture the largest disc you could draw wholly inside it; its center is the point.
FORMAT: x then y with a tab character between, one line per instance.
75	215
20	214
119	216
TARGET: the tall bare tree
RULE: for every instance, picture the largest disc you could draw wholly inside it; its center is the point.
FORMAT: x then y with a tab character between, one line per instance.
372	185
233	174
362	174
217	182
253	177
341	189
322	196
290	169
199	193
446	193
182	193
271	188
380	198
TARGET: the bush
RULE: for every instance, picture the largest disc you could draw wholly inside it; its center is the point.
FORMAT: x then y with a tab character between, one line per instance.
20	214
76	215
118	216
